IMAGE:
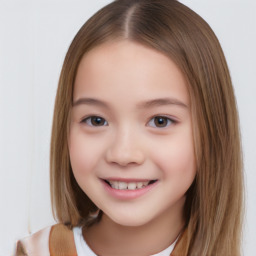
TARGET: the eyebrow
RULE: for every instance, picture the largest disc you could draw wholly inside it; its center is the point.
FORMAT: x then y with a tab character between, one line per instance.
161	102
146	104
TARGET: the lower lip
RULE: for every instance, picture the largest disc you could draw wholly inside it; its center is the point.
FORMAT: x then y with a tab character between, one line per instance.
128	194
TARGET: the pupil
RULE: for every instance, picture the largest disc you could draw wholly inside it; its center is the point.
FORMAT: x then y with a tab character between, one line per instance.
97	121
160	121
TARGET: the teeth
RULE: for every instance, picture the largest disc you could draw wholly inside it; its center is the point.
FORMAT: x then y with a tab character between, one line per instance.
139	184
128	185
122	185
115	185
131	186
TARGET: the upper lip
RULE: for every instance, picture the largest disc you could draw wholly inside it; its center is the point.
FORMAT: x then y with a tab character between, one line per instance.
127	179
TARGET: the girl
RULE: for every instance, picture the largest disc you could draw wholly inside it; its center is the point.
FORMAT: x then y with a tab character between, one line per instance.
145	150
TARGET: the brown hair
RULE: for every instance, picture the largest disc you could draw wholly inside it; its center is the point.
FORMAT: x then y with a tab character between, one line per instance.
214	204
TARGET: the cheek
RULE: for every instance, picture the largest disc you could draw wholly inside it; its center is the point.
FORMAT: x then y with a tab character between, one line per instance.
83	154
176	158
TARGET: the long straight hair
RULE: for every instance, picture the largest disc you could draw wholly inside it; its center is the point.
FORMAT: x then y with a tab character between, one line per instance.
214	203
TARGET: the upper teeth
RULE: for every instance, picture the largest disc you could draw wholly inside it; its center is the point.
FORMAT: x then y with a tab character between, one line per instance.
128	185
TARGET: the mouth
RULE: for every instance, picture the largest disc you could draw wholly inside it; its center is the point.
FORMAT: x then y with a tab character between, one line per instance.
131	185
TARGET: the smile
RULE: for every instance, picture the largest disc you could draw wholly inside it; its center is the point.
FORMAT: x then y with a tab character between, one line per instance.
128	189
122	185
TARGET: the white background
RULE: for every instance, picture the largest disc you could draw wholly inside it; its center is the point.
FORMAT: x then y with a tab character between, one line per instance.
34	37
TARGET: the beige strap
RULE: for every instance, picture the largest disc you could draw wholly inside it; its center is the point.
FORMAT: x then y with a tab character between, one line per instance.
181	245
62	241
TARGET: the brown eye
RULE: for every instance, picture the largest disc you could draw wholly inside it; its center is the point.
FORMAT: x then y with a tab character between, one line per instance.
95	121
160	122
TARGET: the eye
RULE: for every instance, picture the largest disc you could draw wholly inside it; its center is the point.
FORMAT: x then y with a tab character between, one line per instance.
95	121
160	122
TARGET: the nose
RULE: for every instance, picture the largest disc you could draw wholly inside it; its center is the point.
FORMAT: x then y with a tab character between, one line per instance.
125	149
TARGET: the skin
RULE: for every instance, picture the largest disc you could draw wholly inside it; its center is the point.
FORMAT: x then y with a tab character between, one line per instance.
130	143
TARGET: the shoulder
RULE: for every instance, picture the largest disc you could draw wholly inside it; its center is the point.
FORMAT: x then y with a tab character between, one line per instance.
36	244
53	240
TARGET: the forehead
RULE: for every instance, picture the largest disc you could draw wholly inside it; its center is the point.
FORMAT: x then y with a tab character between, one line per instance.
115	68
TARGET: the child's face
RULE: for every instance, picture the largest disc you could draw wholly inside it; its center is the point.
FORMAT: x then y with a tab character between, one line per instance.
131	124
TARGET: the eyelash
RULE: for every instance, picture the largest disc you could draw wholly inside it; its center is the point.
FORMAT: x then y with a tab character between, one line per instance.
89	119
170	121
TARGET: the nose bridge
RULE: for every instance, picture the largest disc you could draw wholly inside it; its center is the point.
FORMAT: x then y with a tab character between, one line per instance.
125	147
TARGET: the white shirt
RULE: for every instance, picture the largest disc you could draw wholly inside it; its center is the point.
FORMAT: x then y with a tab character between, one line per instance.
83	249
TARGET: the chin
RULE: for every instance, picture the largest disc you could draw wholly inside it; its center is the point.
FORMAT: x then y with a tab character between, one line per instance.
129	220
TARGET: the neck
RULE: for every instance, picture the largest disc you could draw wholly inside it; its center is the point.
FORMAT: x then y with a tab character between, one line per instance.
110	238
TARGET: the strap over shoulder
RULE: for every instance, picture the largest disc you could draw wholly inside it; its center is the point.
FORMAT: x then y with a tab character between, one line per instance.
57	240
62	241
181	246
